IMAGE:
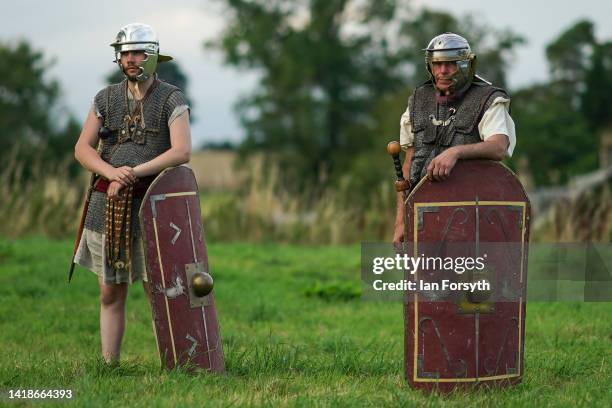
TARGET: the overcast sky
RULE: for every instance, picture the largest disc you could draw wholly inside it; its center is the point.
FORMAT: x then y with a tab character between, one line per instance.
78	33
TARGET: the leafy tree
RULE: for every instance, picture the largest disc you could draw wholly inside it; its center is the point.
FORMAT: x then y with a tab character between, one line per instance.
34	123
558	122
597	98
569	58
335	77
552	134
318	81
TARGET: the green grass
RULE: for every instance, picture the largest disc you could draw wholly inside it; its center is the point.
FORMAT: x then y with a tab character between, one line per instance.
285	343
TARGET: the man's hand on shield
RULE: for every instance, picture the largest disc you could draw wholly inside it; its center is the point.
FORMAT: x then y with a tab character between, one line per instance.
440	167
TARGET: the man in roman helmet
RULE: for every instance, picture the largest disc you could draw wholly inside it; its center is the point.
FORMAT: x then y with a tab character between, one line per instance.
134	130
454	115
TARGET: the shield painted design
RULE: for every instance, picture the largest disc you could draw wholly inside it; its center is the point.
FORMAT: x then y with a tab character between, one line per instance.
456	337
186	325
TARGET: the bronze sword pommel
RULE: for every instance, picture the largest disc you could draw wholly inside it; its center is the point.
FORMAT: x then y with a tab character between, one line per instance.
394	148
401	184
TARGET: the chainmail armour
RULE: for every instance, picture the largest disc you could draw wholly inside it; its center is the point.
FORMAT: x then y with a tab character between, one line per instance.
438	126
148	141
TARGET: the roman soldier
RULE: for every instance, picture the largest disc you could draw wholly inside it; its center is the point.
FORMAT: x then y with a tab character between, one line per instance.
134	130
457	209
455	115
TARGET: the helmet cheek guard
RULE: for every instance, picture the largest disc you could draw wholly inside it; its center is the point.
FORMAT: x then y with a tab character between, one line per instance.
147	66
462	79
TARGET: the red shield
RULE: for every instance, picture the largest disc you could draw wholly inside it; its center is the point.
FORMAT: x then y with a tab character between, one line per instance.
186	325
460	337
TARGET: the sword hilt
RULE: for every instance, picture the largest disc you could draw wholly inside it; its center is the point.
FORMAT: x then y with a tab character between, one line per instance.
394	149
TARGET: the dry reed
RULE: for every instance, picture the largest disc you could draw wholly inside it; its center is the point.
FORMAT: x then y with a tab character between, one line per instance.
45	202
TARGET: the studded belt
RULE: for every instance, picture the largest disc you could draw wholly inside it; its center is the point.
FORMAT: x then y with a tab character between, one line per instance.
119	221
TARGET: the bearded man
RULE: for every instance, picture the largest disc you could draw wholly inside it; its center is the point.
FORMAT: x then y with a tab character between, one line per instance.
134	130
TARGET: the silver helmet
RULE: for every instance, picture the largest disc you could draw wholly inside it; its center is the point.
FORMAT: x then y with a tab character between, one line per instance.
452	47
139	37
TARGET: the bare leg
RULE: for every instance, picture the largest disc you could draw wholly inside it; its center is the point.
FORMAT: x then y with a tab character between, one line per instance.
112	319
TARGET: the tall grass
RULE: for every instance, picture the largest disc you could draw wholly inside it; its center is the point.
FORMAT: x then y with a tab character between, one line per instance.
583	218
263	210
48	202
40	199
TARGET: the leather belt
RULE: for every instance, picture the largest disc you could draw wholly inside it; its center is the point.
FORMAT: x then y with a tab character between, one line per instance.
140	187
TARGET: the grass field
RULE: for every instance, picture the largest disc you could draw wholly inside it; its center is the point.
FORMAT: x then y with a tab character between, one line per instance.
281	346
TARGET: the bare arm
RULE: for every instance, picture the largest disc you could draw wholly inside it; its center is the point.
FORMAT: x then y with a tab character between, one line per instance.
179	152
85	152
85	148
494	148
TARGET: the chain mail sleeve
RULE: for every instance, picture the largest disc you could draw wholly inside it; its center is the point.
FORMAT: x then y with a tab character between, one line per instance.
175	106
97	105
95	109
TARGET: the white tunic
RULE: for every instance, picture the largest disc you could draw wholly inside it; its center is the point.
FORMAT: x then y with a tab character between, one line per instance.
496	120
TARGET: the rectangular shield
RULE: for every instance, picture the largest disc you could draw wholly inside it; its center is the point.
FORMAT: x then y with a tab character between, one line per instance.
186	325
455	336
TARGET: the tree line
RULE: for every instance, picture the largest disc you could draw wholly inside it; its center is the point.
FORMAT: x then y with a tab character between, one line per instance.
334	79
336	76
